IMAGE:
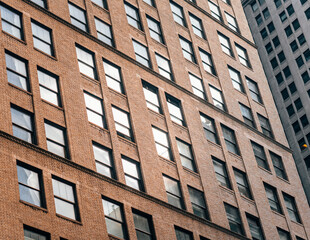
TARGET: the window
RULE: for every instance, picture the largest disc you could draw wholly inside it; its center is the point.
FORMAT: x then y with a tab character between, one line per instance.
301	39
294	46
104	32
78	17
35	234
30	184
292	88
122	123
236	79
113	76
254	91
225	44
276	42
101	3
290	10
279	78
283	16
291	207
103	160
259	19
233	217
284	235
254	6
182	234
290	110
186	155
198	202
162	143
260	156
164	67
266	13
16	70
41	3
281	56
132	173
65	198
11	22
274	63
187	49
175	110
133	17
261	2
243	55
178	15
42	38
304	120
141	52
288	30
307	13
207	62
209	128
265	125
151	97
255	228
230	140
197	86
197	25
272	197
296	24
155	29
143	225
242	184
270	27
86	61
114	218
215	11
305	77
287	72
173	192
221	172
56	139
284	94
278	3
217	98
94	110
296	127
150	2
269	48
247	115
307	55
232	23
298	104
264	33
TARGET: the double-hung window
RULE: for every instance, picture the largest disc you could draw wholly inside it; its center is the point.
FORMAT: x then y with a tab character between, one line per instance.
215	11
232	23
30	184
11	22
254	91
243	56
278	165
86	61
272	197
233	217
114	218
197	25
151	97
236	79
155	29
31	233
23	125
175	110
187	49
143	225
150	2
225	44
94	109
217	98
291	207
260	156
186	155
198	202
103	160
207	62
182	234
197	86
122	123
164	67
113	76
42	38
101	3
178	15
255	228
209	128
104	32
141	53
41	3
221	172
65	198
16	70
162	143
242	184
283	235
78	17
132	173
247	115
173	191
230	140
49	89
56	139
133	17
265	125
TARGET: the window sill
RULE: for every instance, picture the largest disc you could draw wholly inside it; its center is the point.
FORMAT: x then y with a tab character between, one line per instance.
230	191
233	57
118	93
127	141
44	53
297	223
111	237
159	43
156	114
284	180
212	75
101	8
35	207
251	201
261	104
21	41
53	105
265	170
96	81
235	155
69	219
180	126
195	174
194	64
279	214
137	30
101	129
215	144
20	89
167	161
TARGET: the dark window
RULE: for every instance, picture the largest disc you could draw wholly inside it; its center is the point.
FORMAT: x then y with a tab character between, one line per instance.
255	227
264	33
22	124
141	53
151	97
175	110
217	98
272	197
207	62
284	94
279	78
11	22
281	56
298	104
197	86
294	45
230	140
303	1
247	115
101	3
164	67
143	225
283	16
86	61
178	15
301	144
278	3
290	10
304	120
221	172
307	13
274	63
260	155
198	202
299	61
254	91
270	27
35	234
225	44
187	49
291	207
162	143
242	184
132	173
155	29
236	79
197	25
287	72
215	11
78	17
209	128
56	139
259	19
269	48
113	76
233	217
42	38
104	32
94	110
173	191
278	165
288	30
103	160
254	6
65	198
301	39
266	13
182	234
305	77
284	235
292	88
133	17
261	2
30	184
122	123
296	24
276	42
307	55
114	218
186	155
265	125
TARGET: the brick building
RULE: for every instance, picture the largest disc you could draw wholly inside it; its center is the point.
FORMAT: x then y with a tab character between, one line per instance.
140	120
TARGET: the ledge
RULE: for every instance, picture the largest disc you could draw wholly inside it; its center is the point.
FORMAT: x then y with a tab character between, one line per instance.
35	207
69	219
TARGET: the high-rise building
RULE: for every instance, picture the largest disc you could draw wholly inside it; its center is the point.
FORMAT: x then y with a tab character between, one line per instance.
280	29
140	119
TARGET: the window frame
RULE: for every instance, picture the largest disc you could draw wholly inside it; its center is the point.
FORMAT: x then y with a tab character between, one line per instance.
180	197
191	158
51	38
235	143
149	221
260	160
78	20
195	81
148	60
139	177
151	30
93	57
99	32
275	201
203	207
131	135
169	150
226	47
190	51
172	101
149	87
21	27
207	130
161	69
233	221
137	20
210	64
111	167
176	16
281	168
109	76
247	115
244	58
227	183
96	112
199	29
37	231
243	187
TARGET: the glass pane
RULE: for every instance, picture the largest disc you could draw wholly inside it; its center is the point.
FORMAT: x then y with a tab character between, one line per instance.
143	236
9	28
120	117
114	228
201	212
63	190
55	148
21	119
112	210
130	168
111	71
132	182
17	80
54	134
29	195
141	223
163	151
115	85
173	200
188	163
172	186
95	118
102	155
22	134
65	209
30	235
104	170
87	70
28	177
41	33
15	65
196	197
184	149
49	96
47	81
44	47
